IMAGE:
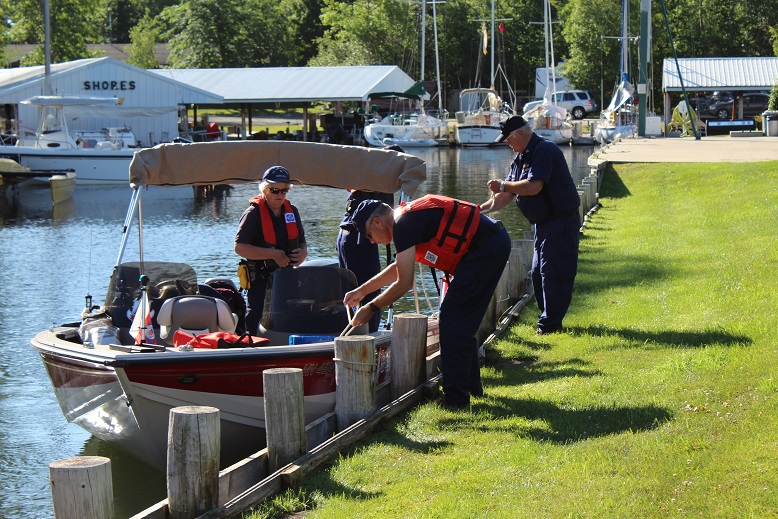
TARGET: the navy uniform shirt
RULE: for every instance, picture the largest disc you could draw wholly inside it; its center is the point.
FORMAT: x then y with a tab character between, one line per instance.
543	160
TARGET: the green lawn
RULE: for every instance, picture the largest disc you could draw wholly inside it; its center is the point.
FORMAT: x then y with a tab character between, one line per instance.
660	400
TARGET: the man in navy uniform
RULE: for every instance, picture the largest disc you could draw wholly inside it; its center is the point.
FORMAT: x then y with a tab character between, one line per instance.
452	236
544	190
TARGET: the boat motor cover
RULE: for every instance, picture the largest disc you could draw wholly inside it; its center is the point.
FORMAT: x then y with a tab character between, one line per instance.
312	163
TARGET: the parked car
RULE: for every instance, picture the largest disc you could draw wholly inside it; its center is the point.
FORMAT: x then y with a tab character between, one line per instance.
579	103
753	104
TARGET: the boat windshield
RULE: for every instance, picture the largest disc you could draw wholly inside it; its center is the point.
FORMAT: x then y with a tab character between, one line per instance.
308	300
166	280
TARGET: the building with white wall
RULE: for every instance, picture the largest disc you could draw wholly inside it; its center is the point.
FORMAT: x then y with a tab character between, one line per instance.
149	103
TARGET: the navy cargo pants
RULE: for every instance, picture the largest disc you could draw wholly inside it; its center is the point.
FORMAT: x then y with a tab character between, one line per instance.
554	265
461	312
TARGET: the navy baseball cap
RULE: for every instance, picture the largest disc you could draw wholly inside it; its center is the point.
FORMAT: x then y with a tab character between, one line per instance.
276	174
362	214
509	126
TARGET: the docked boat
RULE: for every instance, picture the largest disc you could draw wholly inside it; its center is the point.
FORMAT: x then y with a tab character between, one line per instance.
620	118
478	121
416	129
61	183
550	122
119	370
98	157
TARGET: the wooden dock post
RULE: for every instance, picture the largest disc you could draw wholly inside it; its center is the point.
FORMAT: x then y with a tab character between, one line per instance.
81	487
355	370
516	273
194	439
409	353
284	416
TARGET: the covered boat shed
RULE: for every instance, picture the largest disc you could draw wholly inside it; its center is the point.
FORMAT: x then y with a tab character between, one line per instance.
148	104
299	86
710	74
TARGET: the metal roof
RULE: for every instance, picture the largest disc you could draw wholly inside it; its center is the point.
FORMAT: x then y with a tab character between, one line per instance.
707	74
294	84
13	80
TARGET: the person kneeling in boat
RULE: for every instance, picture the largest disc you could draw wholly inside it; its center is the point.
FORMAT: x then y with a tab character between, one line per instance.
270	236
452	236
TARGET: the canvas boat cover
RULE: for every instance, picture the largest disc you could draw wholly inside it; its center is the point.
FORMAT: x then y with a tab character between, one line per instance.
241	162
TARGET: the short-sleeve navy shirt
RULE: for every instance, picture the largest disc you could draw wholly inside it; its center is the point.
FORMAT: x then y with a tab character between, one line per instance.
543	160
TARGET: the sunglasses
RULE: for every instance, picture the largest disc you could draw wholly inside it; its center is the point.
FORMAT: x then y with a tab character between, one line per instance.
276	191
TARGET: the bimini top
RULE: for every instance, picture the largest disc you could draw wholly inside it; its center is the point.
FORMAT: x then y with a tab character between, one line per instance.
240	162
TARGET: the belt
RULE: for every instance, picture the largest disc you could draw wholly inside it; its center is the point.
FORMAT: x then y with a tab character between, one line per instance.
485	234
563	214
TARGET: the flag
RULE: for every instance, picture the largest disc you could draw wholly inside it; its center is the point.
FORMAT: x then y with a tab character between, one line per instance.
141	329
501	27
486	37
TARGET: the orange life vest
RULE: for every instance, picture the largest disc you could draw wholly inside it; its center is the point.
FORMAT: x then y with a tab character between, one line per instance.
455	233
268	232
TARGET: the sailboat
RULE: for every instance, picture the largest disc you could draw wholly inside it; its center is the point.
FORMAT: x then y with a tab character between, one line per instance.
621	116
547	119
416	128
481	110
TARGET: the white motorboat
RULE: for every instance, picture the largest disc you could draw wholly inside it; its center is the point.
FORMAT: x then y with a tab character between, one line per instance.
121	389
97	157
412	130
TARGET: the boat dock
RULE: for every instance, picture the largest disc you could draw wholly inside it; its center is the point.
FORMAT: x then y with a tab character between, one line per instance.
12	174
738	147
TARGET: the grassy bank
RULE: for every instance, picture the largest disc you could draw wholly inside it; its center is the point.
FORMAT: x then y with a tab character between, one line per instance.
660	400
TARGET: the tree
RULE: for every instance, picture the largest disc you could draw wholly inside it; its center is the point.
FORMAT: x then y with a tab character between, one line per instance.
144	38
73	25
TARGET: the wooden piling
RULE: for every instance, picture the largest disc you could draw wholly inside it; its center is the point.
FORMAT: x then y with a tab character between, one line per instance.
284	416
517	272
81	487
194	438
355	369
408	354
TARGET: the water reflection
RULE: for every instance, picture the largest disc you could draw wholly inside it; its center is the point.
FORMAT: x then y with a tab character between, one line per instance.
51	256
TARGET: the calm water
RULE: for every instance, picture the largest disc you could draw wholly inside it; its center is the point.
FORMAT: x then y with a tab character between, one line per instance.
51	257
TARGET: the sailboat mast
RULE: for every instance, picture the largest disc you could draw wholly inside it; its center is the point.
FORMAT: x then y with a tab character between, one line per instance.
423	30
624	39
437	59
491	76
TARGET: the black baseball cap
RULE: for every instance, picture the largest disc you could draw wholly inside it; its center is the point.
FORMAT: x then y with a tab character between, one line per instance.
509	126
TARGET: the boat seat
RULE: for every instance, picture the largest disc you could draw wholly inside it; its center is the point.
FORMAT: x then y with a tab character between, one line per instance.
196	315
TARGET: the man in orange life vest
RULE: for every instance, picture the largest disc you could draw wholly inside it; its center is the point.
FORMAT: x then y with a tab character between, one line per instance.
270	235
452	236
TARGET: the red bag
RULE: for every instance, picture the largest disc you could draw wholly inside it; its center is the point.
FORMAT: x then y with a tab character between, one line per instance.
215	340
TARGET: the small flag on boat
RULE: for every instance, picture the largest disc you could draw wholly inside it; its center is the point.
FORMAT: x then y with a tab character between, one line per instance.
141	329
486	36
501	27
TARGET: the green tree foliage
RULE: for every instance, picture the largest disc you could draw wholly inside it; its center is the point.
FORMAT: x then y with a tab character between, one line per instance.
700	28
144	38
73	25
367	32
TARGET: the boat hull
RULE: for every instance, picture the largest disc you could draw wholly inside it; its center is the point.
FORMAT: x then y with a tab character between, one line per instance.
125	398
558	136
91	166
477	135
